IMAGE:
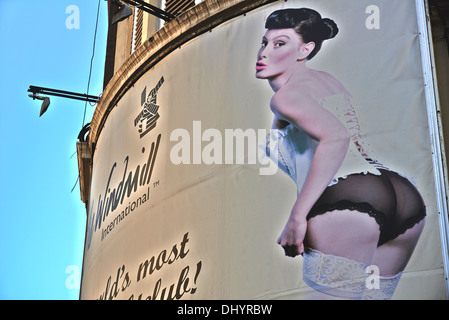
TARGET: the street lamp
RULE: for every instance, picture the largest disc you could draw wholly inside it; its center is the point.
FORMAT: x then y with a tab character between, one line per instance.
36	91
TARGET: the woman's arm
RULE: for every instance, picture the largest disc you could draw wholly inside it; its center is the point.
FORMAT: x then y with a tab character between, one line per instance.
333	141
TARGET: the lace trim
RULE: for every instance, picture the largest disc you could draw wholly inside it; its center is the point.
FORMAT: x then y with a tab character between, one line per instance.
408	224
343	277
385	235
334	275
349	205
348	116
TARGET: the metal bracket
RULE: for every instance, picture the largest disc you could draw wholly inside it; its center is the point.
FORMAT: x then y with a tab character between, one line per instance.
150	9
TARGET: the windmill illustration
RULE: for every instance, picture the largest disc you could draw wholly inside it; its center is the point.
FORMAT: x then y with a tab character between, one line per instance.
147	118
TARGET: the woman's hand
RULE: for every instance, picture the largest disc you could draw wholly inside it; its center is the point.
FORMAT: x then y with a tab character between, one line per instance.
292	237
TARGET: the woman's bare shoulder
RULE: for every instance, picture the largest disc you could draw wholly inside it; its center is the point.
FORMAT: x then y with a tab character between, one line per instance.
291	102
330	82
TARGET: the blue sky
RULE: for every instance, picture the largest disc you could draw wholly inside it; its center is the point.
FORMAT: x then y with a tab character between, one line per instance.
42	220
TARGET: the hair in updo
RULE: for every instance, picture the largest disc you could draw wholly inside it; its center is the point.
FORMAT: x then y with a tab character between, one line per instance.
307	23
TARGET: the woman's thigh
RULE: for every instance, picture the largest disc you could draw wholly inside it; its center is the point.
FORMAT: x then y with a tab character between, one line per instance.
345	233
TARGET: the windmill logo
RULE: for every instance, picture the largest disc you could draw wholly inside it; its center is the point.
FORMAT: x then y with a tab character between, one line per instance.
146	120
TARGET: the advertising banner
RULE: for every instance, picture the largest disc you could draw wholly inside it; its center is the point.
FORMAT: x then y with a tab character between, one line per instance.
285	154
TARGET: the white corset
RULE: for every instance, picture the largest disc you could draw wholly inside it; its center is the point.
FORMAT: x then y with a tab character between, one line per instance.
293	149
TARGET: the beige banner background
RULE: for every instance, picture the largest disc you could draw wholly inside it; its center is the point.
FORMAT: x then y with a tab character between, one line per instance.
210	231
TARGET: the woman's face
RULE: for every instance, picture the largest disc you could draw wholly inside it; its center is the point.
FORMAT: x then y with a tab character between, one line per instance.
281	48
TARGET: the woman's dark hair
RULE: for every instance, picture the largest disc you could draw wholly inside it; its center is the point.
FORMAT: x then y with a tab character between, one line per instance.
307	23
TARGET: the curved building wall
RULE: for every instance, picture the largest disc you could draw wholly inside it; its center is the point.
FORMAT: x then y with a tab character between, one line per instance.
183	206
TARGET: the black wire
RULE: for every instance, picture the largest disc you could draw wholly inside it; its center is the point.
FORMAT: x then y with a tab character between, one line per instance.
91	61
88	81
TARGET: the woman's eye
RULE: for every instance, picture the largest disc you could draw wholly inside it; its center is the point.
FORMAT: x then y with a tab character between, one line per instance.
263	44
279	44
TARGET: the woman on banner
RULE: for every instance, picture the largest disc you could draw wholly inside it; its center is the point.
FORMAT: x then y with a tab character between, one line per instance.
351	211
